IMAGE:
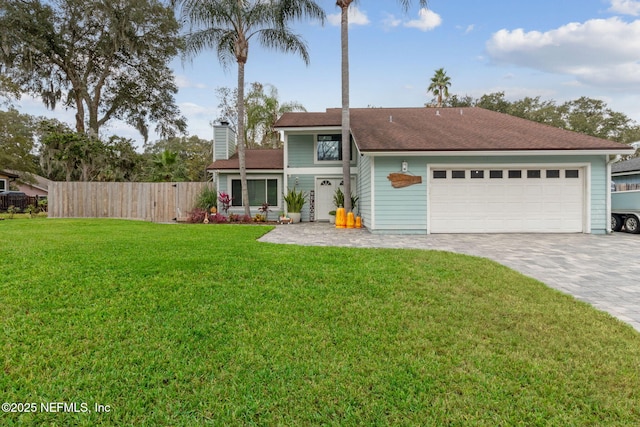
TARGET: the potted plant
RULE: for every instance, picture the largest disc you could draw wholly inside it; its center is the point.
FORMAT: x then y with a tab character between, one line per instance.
338	200
332	217
295	200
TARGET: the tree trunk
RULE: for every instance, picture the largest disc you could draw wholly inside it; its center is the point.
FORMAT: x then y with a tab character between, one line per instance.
346	124
241	139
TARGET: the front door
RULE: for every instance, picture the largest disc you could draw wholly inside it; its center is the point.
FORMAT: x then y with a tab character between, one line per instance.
325	189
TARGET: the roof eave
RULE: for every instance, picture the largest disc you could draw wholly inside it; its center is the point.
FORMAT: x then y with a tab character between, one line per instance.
319	128
478	153
236	170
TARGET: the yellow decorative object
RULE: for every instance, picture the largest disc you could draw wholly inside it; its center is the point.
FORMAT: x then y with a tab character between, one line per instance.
358	222
350	220
213	210
341	218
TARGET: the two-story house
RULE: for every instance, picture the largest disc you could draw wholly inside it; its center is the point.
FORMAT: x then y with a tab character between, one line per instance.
428	170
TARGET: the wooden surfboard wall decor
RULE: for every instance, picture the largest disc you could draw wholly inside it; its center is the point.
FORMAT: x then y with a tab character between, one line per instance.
401	180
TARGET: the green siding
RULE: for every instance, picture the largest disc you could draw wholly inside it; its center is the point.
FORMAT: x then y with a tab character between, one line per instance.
405	209
364	190
224	142
399	209
599	185
300	151
305	183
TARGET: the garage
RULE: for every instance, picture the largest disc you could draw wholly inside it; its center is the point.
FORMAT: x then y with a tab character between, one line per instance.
498	199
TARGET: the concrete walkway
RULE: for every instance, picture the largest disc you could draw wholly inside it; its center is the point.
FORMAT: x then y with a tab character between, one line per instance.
601	270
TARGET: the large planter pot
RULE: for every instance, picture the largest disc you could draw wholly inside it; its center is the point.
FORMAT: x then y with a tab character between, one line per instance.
295	216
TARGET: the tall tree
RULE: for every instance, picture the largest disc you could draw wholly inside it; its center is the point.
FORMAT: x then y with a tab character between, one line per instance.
346	122
262	108
194	153
167	166
263	111
439	86
227	26
106	59
17	132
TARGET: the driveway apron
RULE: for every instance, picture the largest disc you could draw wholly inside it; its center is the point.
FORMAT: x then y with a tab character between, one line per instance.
603	271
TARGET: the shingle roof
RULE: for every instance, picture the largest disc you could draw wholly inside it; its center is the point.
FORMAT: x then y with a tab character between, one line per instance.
630	165
31	179
447	129
9	174
254	159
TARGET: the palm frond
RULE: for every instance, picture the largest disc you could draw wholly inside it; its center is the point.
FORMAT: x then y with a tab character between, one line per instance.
285	41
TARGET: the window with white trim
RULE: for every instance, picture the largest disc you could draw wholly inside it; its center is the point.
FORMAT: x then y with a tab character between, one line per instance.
260	191
329	148
3	184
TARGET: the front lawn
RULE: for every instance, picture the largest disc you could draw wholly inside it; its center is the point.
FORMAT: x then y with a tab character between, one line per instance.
188	325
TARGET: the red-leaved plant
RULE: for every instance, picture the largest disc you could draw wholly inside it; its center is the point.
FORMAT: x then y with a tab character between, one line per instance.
225	201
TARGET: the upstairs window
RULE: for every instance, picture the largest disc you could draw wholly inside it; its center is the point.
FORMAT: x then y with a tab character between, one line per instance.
329	148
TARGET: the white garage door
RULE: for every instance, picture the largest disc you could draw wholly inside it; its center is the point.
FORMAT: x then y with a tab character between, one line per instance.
509	200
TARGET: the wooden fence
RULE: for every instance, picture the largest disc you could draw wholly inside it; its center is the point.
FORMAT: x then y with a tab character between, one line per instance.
149	201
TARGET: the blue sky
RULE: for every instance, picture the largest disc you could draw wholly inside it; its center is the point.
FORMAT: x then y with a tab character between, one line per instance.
556	49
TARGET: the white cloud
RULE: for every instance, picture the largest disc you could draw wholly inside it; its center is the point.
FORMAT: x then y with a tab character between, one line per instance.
390	21
183	82
466	30
625	7
597	52
427	20
356	17
190	109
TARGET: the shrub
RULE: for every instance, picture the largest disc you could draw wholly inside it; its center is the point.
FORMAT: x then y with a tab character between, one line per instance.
196	216
264	210
11	210
207	199
218	218
31	210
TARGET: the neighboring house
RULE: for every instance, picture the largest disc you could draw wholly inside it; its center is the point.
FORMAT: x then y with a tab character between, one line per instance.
32	184
626	175
5	178
448	170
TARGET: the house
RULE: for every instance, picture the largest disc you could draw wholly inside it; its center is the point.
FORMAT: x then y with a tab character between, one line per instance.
5	178
28	183
445	170
626	175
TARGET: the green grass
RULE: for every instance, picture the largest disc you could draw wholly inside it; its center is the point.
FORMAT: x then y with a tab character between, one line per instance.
188	325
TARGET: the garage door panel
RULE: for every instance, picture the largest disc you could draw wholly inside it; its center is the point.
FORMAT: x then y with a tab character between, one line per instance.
507	204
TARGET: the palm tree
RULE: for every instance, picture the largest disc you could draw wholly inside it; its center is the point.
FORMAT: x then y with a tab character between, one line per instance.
346	123
263	111
227	26
439	86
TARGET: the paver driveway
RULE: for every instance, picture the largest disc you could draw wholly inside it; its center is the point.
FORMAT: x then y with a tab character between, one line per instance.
601	270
